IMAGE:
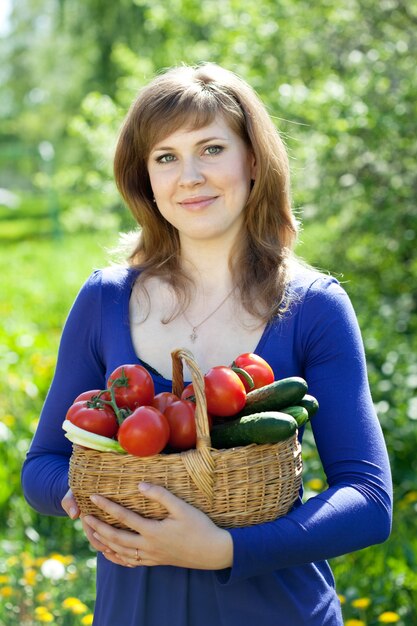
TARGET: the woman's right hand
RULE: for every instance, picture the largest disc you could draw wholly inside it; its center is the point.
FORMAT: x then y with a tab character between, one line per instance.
70	506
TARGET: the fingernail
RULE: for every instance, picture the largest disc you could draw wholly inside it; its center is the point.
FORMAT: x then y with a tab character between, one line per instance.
94	499
144	486
73	512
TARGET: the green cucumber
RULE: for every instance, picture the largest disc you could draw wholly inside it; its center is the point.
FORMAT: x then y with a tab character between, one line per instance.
310	403
299	413
275	396
265	427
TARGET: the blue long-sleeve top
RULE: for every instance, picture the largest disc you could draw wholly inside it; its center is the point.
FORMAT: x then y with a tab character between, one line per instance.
280	574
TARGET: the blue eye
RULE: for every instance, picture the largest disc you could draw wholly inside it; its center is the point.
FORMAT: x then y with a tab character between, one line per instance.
213	150
165	158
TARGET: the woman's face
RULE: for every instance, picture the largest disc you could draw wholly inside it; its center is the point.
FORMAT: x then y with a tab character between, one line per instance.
201	180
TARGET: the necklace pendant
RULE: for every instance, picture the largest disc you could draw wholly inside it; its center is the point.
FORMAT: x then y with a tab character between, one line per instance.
193	335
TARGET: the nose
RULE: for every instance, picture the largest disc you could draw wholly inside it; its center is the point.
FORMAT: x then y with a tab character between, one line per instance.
191	173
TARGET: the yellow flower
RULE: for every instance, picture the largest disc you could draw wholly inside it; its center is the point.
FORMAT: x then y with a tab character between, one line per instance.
316	484
389	617
361	603
87	620
6	591
4	579
29	577
407	499
43	596
79	608
342	598
69	602
65	560
42	614
46	617
9	420
410	497
12	561
355	622
40	610
27	559
74	605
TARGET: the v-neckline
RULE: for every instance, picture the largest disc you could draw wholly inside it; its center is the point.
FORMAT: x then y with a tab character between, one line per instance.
133	274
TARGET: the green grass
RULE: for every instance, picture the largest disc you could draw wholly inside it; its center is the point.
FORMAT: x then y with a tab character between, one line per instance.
39	279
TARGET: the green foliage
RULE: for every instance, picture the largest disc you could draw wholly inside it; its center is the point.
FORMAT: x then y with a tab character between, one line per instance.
39	282
338	80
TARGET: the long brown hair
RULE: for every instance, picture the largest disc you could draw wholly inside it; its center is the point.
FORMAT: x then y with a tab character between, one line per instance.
193	97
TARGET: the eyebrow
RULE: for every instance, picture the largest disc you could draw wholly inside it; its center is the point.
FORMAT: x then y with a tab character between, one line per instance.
199	143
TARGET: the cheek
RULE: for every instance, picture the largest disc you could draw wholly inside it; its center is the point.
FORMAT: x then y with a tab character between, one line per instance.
160	184
238	180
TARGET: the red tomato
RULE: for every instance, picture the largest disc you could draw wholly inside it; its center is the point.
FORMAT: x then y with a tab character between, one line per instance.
258	369
136	387
181	419
89	395
101	421
164	399
145	432
225	392
188	392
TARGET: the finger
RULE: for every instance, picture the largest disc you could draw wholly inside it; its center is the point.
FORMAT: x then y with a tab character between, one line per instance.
128	553
164	497
117	545
128	518
129	556
116	558
93	541
111	536
70	505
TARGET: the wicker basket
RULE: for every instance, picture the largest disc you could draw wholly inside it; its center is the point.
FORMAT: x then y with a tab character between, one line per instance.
235	487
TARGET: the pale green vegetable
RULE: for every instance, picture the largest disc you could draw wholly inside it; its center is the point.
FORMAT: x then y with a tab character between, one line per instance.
91	440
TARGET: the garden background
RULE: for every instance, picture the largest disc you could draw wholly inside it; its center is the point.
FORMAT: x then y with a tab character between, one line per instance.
339	79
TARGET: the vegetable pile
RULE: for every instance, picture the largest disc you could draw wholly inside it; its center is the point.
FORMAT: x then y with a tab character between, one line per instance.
245	405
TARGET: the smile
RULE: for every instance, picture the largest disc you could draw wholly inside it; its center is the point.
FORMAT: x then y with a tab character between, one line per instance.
197	202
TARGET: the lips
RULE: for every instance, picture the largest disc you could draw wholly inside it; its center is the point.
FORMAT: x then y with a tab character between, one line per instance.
197	202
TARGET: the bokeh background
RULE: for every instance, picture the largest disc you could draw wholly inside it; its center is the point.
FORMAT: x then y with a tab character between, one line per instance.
339	79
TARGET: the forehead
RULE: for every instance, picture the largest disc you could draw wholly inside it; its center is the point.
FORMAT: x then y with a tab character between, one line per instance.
217	129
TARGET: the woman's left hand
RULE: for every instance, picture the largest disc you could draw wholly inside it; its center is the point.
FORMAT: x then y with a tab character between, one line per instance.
185	538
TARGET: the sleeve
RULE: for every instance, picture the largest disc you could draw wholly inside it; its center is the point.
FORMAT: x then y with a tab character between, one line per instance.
355	510
79	368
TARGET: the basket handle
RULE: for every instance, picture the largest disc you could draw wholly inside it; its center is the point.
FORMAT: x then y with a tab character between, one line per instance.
199	463
201	417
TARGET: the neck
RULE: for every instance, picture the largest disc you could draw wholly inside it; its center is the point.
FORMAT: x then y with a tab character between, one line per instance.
208	267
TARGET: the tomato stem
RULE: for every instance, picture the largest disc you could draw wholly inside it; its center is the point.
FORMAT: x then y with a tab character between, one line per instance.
121	414
120	381
96	402
248	378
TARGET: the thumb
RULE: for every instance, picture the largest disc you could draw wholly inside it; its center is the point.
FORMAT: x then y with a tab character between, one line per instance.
69	505
163	496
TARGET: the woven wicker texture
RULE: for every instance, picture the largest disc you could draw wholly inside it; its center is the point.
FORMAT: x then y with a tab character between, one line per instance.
235	487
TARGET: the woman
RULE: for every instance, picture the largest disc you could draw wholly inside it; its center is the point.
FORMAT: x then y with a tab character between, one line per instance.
205	174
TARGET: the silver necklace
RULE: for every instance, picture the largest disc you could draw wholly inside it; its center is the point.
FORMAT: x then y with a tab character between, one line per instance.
194	327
